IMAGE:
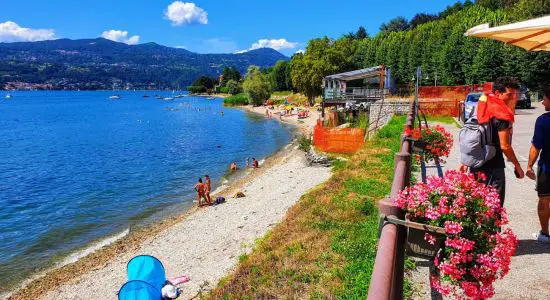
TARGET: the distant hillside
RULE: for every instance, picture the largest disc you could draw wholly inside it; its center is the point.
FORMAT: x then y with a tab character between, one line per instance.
101	64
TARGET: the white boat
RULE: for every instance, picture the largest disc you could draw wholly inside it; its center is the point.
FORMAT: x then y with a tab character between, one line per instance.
167	98
8	96
114	97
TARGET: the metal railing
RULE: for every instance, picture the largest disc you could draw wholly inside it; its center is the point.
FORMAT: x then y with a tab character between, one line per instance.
388	271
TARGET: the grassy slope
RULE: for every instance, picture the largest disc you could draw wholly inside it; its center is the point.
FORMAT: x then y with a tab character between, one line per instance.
325	246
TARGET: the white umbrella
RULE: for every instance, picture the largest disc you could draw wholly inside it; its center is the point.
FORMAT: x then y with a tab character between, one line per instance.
532	35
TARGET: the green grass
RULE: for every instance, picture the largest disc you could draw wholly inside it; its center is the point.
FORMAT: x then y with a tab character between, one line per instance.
444	120
326	245
239	99
281	93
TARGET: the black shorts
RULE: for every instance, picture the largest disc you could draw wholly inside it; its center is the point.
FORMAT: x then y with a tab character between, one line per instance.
543	183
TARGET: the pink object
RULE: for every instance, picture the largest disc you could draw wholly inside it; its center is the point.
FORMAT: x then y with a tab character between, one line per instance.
179	280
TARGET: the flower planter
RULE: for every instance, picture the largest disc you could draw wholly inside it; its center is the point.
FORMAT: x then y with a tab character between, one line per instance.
418	246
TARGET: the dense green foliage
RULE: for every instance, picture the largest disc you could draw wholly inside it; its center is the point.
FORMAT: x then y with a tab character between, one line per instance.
104	64
235	100
230	73
256	85
279	76
322	57
437	44
233	87
203	84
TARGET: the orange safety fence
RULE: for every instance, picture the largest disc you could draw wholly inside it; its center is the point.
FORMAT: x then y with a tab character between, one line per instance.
439	108
451	92
339	140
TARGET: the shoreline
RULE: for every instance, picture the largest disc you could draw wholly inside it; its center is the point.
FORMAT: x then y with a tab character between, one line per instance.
97	256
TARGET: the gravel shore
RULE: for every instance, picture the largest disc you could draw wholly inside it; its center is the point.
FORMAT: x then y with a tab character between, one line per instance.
204	243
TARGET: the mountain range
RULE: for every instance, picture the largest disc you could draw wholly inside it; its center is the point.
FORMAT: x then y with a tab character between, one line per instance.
104	64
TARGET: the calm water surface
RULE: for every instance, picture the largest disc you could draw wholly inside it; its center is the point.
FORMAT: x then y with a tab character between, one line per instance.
76	166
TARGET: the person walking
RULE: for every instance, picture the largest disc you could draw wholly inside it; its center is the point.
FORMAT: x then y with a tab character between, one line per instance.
540	149
493	109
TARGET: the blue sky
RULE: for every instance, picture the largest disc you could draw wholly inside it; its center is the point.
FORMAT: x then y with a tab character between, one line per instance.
212	26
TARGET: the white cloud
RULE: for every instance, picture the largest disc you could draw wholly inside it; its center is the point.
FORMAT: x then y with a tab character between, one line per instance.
185	13
274	44
11	32
301	51
120	36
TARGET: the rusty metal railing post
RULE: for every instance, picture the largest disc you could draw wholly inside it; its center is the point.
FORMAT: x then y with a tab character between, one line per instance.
388	272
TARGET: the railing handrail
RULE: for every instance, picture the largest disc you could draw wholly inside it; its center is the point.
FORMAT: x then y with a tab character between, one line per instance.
387	275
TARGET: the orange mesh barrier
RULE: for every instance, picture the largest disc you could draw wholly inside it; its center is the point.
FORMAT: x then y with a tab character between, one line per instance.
440	108
449	92
339	140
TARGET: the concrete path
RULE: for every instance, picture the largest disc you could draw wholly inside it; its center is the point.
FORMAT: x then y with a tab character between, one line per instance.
529	277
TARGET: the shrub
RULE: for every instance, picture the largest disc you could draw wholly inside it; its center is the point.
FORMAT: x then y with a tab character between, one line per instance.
239	99
196	89
304	142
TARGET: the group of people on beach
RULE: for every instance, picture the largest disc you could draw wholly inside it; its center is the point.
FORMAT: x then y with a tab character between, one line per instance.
203	190
497	110
254	164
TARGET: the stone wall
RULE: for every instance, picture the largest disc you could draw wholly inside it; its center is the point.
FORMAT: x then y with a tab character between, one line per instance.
382	111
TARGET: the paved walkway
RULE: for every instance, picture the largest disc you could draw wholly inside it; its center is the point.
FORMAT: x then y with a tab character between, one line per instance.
529	277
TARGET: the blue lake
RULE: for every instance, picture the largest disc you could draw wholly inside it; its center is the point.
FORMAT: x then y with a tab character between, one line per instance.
76	167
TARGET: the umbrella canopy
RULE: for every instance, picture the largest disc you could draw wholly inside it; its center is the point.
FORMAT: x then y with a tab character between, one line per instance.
532	35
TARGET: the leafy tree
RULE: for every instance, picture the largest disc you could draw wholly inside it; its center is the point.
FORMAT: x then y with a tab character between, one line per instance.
323	56
256	85
233	87
230	73
395	24
422	18
361	33
278	77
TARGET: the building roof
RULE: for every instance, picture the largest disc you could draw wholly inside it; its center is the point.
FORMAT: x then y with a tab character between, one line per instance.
357	74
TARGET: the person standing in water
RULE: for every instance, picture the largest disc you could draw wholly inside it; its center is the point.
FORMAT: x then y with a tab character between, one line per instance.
208	188
200	189
255	163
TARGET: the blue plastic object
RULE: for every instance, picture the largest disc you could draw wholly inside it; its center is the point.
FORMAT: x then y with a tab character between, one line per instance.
138	290
146	276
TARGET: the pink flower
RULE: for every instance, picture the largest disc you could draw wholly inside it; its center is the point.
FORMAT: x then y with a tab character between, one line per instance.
453	227
429	238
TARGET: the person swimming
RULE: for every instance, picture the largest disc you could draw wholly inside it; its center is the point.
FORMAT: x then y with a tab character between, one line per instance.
233	166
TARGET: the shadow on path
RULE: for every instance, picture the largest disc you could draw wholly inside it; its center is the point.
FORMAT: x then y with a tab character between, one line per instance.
531	247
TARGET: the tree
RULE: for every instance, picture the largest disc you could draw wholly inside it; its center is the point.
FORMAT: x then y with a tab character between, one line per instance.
233	87
395	24
256	85
361	33
278	77
230	73
422	18
322	57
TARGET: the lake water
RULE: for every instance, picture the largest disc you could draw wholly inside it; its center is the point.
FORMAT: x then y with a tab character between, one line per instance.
76	167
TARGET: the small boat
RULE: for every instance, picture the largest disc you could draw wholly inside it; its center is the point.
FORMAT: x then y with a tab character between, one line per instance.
8	96
211	98
168	98
145	96
114	97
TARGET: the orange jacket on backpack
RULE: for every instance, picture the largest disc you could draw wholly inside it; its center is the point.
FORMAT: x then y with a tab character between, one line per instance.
490	106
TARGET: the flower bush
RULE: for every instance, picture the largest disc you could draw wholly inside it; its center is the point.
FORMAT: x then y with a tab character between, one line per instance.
437	141
476	252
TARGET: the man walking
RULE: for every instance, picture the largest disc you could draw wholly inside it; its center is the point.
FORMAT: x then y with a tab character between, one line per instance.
493	109
541	145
